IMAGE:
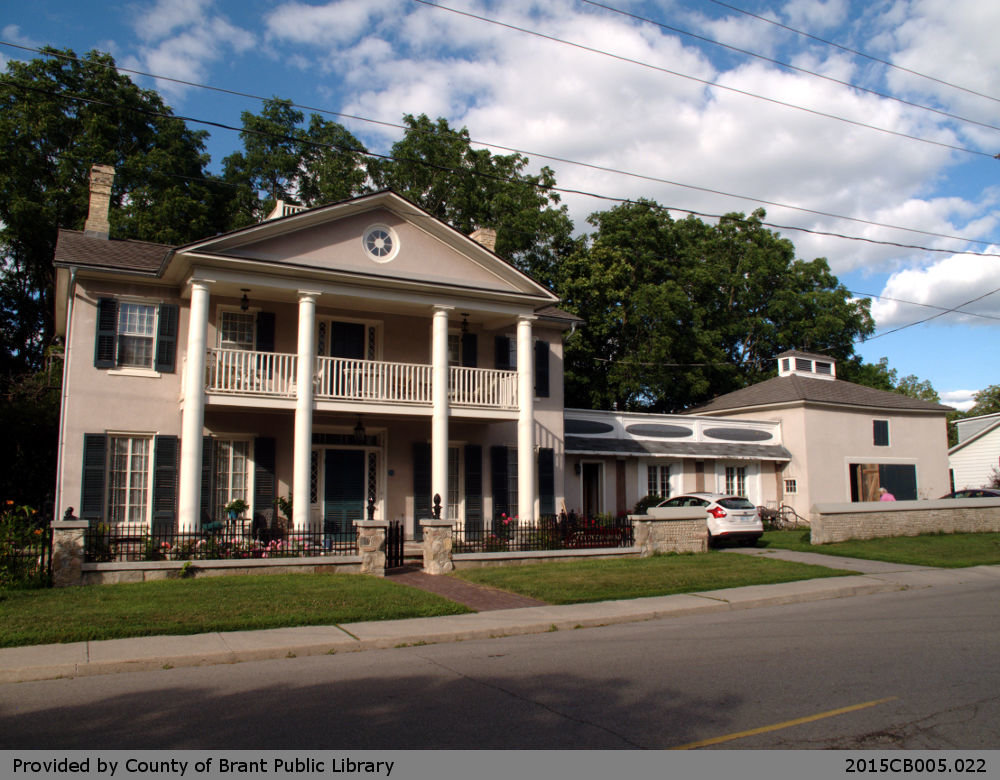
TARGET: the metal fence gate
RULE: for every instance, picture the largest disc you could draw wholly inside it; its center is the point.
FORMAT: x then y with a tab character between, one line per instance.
394	545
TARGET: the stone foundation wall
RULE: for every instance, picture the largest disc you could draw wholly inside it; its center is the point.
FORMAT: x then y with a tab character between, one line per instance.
871	520
146	571
683	530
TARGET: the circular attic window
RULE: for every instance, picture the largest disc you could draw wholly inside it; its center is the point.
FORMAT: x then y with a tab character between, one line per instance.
381	243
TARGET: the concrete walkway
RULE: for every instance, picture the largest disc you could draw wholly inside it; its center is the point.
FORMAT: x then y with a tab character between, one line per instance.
41	662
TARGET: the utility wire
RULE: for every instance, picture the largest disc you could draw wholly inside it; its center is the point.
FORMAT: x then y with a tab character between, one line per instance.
942	309
546	188
706	82
540	155
789	66
855	51
955	309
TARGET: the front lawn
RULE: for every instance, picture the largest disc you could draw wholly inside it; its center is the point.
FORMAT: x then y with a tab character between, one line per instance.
950	551
195	606
575	582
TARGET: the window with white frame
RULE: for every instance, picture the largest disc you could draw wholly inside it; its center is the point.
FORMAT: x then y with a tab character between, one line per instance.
658	481
236	330
232	459
136	334
128	478
736	480
454	349
791	486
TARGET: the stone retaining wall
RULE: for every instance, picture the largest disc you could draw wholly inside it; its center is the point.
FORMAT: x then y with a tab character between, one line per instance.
870	520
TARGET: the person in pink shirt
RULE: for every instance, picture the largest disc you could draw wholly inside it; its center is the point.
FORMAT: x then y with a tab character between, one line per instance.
885	495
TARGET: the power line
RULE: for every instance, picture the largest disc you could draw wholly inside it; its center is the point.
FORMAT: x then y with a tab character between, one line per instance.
956	309
942	309
706	82
547	188
856	52
789	66
541	155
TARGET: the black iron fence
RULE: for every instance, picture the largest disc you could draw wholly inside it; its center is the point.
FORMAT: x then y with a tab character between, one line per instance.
25	555
553	532
395	537
106	542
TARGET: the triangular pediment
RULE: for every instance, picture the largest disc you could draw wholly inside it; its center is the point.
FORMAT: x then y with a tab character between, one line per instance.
381	237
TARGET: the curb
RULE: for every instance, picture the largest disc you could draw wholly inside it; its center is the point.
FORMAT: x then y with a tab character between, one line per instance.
143	654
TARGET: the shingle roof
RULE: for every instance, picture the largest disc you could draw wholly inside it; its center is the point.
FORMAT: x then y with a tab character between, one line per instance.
74	247
551	312
789	389
608	444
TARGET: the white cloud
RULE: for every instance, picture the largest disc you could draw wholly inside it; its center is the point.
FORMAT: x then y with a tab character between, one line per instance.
947	283
337	22
816	15
963	400
182	38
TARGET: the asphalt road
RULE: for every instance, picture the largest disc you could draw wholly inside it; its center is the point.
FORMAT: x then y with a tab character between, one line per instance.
916	669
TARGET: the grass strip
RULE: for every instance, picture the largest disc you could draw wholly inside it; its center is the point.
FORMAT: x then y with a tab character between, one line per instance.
948	551
577	582
195	606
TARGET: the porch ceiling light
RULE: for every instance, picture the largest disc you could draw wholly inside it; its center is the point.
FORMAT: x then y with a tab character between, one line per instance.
244	301
359	432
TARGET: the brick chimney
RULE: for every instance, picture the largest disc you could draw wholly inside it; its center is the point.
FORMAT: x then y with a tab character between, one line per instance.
101	177
485	236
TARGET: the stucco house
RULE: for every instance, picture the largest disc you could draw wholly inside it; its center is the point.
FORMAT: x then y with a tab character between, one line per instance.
976	457
358	350
845	440
613	459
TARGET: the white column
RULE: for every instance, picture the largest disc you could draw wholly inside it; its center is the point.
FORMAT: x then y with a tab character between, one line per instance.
439	399
302	446
193	416
526	466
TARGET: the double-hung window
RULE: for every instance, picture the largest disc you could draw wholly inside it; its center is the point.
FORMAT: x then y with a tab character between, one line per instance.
128	478
658	481
236	330
736	480
136	335
232	457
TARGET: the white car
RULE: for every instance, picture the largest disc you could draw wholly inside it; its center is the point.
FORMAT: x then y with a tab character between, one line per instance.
729	517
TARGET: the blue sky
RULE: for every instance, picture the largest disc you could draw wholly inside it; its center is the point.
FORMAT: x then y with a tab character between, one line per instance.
607	89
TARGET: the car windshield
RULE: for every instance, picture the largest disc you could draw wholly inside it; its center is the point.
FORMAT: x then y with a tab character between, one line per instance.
735	503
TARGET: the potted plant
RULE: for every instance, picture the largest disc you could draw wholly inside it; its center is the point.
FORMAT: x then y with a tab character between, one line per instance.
236	508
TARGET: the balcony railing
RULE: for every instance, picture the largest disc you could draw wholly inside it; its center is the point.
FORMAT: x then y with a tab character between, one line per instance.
242	372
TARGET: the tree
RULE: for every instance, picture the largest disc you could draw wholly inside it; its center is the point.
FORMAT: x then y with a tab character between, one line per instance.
58	116
437	168
987	402
915	387
281	160
678	312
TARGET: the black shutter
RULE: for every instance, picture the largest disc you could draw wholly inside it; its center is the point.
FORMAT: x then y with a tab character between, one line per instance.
542	369
421	482
470	350
207	479
546	481
165	452
265	331
264	488
501	359
498	481
107	332
166	338
473	487
95	447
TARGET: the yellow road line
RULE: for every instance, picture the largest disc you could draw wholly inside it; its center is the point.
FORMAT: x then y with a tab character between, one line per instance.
783	725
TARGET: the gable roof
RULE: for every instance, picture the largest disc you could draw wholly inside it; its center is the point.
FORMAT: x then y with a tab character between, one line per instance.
799	390
978	434
74	247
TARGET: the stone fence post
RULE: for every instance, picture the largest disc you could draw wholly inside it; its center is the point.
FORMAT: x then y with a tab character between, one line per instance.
682	530
437	545
371	545
67	552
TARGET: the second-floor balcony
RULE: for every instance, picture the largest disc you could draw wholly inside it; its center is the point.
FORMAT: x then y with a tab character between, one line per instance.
248	373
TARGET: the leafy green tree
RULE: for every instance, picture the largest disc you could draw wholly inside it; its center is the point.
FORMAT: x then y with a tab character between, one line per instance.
678	312
282	160
987	401
58	116
436	167
915	387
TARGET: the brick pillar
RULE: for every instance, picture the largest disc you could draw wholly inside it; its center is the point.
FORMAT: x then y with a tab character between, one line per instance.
371	545
437	546
67	552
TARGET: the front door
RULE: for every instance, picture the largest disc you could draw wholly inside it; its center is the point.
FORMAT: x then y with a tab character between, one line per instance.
343	494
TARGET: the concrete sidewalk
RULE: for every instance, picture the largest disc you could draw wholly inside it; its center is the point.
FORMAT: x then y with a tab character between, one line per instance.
79	659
